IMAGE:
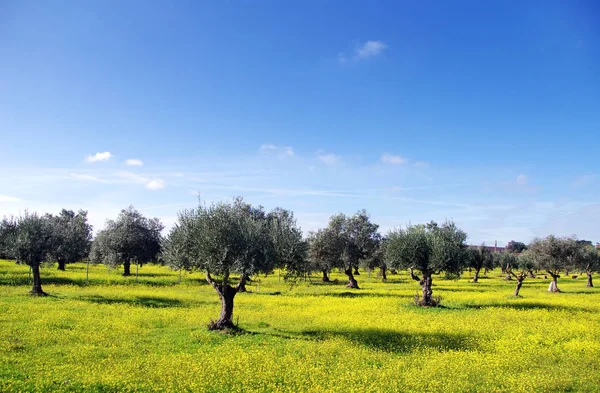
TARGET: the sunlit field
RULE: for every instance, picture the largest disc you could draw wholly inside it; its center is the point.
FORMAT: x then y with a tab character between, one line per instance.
118	334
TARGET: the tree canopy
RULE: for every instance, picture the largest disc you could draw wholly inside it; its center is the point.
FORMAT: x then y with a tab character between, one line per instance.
131	238
431	249
71	237
32	244
555	254
480	258
236	238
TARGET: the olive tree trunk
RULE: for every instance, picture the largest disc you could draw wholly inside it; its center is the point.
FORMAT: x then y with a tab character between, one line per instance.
520	279
61	264
476	275
352	283
383	273
426	299
36	290
127	268
356	272
553	284
227	294
325	277
590	284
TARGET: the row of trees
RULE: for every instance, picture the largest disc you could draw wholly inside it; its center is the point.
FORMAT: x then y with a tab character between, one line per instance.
232	242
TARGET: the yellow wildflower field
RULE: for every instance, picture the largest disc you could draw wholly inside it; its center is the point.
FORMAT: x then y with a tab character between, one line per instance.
122	334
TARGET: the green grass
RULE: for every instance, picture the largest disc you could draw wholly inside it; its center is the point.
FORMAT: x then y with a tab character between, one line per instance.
117	335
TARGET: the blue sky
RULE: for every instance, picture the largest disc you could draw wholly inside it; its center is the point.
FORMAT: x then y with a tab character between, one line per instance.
487	113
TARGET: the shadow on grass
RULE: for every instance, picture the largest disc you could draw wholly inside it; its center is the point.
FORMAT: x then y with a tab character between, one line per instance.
115	280
141	301
318	282
349	294
387	340
528	306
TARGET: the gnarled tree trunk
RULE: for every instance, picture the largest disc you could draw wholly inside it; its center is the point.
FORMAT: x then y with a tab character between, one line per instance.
325	277
590	284
226	317
553	284
383	272
61	264
426	299
37	282
476	275
127	268
352	283
356	272
520	279
227	294
531	274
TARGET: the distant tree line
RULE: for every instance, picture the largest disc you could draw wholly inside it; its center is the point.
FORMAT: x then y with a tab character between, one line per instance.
231	242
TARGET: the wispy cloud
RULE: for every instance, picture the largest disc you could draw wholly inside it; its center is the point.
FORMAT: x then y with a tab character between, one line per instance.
281	151
134	162
82	176
329	158
369	49
105	156
6	198
387	158
522	179
362	51
151	184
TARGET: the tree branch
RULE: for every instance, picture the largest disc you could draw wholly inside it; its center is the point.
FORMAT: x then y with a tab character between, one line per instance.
243	279
412	275
212	282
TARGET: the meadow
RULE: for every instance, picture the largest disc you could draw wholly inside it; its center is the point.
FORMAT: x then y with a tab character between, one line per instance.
122	334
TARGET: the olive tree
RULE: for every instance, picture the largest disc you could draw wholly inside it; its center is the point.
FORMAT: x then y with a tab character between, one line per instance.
588	261
376	260
519	266
131	238
8	230
31	244
430	249
555	254
227	239
71	237
480	258
322	253
506	260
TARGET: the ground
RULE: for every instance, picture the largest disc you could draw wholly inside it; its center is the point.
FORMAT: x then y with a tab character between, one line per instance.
116	334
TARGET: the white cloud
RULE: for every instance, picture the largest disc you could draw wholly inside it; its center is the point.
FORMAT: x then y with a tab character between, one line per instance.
522	179
369	49
328	159
134	162
151	184
6	198
281	151
155	184
267	148
392	159
105	156
81	176
363	51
